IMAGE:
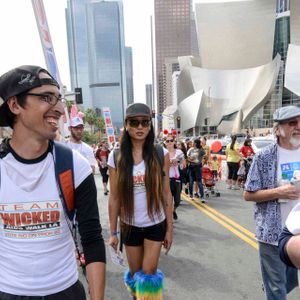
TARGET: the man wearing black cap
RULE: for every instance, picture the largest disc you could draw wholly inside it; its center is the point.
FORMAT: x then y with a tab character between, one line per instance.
269	186
37	259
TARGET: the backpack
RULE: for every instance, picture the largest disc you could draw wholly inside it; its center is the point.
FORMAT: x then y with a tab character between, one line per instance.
159	151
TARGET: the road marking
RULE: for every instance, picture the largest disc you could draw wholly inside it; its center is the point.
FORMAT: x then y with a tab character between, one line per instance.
244	234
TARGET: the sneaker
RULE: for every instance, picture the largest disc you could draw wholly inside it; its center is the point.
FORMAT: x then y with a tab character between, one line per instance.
175	217
191	197
203	201
105	193
196	195
186	190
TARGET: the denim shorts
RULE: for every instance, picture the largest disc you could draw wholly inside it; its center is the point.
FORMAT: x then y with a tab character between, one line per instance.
135	236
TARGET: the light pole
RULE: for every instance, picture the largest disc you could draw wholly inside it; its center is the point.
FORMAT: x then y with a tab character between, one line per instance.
208	106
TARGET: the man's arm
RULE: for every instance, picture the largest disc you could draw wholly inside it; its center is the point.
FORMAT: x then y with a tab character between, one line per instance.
287	191
96	279
90	230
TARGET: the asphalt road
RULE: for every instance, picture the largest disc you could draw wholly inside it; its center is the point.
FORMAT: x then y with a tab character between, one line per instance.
214	254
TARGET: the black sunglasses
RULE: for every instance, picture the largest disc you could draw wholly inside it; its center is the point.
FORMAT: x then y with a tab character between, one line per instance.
169	141
136	123
49	98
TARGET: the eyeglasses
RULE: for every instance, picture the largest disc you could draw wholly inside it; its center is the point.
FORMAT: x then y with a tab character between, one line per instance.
49	98
292	123
136	123
169	141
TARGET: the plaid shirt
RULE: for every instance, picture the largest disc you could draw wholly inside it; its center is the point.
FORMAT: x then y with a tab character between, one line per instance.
263	175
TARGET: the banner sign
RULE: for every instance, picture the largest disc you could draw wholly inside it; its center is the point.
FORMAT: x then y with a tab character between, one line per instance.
110	132
42	24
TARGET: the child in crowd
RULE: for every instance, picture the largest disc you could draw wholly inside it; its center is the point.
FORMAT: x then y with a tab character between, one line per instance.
241	174
215	167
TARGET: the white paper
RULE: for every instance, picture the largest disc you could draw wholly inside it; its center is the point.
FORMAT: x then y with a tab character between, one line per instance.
116	256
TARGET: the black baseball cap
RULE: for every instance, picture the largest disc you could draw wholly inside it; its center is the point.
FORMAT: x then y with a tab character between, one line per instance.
138	109
18	81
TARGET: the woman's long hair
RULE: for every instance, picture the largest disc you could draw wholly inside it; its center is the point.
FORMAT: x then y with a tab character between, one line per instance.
153	177
233	140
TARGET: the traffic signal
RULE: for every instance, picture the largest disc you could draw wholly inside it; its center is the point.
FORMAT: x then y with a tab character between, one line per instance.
178	119
78	96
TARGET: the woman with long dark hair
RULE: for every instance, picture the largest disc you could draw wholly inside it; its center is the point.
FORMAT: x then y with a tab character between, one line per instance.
140	196
176	159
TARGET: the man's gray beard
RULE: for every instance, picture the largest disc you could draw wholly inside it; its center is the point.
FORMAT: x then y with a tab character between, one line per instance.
295	141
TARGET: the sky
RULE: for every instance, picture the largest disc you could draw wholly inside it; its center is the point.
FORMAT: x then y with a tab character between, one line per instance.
20	42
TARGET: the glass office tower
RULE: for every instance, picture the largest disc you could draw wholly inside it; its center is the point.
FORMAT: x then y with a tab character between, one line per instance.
97	54
172	39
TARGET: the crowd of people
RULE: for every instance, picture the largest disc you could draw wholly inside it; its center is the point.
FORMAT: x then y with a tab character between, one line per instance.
48	191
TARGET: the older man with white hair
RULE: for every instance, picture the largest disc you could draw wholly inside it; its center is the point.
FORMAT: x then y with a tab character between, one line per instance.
269	186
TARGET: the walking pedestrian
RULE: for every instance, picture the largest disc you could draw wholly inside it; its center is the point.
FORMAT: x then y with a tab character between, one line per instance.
75	142
102	158
268	185
176	159
140	196
195	155
233	159
37	257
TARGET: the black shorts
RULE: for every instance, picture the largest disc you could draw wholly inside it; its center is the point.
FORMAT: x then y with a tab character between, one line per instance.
76	291
104	174
134	236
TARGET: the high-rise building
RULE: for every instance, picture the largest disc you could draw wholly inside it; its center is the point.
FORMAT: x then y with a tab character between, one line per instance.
129	75
172	39
97	54
149	95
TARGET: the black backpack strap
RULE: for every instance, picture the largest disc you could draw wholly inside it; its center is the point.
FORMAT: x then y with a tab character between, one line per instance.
64	173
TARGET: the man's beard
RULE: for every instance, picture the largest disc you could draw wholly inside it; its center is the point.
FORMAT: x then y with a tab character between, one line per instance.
295	141
75	137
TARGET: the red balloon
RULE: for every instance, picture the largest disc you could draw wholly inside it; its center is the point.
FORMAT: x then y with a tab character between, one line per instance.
216	146
174	132
166	131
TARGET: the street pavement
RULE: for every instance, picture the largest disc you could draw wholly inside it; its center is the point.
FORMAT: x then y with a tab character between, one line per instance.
214	254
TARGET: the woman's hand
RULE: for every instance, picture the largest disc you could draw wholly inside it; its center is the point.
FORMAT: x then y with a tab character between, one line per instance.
113	241
167	243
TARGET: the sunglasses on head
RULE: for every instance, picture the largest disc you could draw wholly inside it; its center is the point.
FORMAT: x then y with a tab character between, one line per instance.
136	123
169	141
292	123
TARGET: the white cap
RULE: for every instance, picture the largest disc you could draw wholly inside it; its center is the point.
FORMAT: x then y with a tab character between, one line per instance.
76	122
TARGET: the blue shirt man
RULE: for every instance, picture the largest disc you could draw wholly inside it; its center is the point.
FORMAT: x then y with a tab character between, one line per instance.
268	186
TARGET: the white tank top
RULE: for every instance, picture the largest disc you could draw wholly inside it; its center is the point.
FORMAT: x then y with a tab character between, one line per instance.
36	247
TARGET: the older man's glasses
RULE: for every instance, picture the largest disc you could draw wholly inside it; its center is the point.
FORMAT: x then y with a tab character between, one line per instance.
292	123
136	123
49	98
